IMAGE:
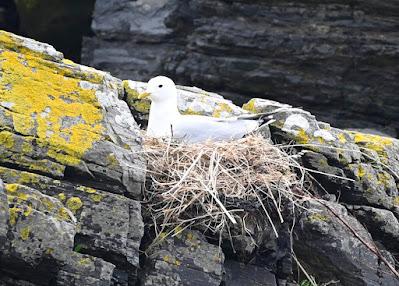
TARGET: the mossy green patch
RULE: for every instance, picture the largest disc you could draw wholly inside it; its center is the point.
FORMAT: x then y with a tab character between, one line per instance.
74	204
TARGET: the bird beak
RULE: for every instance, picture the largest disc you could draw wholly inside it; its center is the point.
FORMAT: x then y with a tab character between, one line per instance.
144	95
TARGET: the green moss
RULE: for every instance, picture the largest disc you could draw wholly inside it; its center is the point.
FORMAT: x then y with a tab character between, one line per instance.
250	106
74	204
24	234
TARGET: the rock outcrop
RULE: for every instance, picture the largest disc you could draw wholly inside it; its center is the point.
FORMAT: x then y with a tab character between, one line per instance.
337	59
71	178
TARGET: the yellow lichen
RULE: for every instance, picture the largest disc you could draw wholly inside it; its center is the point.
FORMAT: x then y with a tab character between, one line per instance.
44	95
86	189
166	258
112	161
68	62
14	214
11	188
250	106
63	214
361	171
342	138
301	137
140	105
61	197
28	210
49	251
84	261
373	142
177	262
384	179
190	111
222	108
318	217
6	139
74	204
396	201
48	204
24	234
96	197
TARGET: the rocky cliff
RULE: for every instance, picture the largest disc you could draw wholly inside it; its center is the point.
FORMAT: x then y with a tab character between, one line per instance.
70	210
337	59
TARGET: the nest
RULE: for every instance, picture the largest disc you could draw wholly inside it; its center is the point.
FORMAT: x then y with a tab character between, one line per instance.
214	184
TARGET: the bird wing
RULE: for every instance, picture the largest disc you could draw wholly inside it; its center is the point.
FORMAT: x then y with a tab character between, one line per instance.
197	128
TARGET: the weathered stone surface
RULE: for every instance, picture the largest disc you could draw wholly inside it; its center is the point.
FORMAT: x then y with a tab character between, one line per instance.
61	119
382	225
321	239
337	59
69	153
186	259
238	274
69	158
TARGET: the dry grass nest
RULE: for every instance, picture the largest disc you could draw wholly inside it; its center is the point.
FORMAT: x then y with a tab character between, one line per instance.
213	184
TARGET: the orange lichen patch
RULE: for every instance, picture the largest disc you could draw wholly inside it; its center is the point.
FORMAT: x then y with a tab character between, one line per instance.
50	105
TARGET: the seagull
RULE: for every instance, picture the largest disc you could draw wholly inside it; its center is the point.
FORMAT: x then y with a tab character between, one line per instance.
165	120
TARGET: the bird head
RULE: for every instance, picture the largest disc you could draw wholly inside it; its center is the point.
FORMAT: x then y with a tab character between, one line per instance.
160	88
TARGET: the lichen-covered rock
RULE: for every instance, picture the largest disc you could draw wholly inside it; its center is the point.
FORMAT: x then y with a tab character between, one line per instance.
70	160
185	259
326	245
59	118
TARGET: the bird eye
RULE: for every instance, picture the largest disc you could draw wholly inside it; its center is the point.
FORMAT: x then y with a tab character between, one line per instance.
160	85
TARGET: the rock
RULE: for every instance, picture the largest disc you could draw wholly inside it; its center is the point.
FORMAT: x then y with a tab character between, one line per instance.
382	225
186	259
72	172
321	238
79	141
329	57
239	274
71	167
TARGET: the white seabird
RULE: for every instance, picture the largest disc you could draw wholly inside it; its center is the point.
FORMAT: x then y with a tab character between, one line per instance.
165	119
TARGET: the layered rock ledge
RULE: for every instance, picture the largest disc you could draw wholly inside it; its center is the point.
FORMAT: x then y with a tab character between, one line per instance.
72	175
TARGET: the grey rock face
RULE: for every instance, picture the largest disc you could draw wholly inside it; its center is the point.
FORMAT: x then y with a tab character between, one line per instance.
322	239
186	259
339	60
